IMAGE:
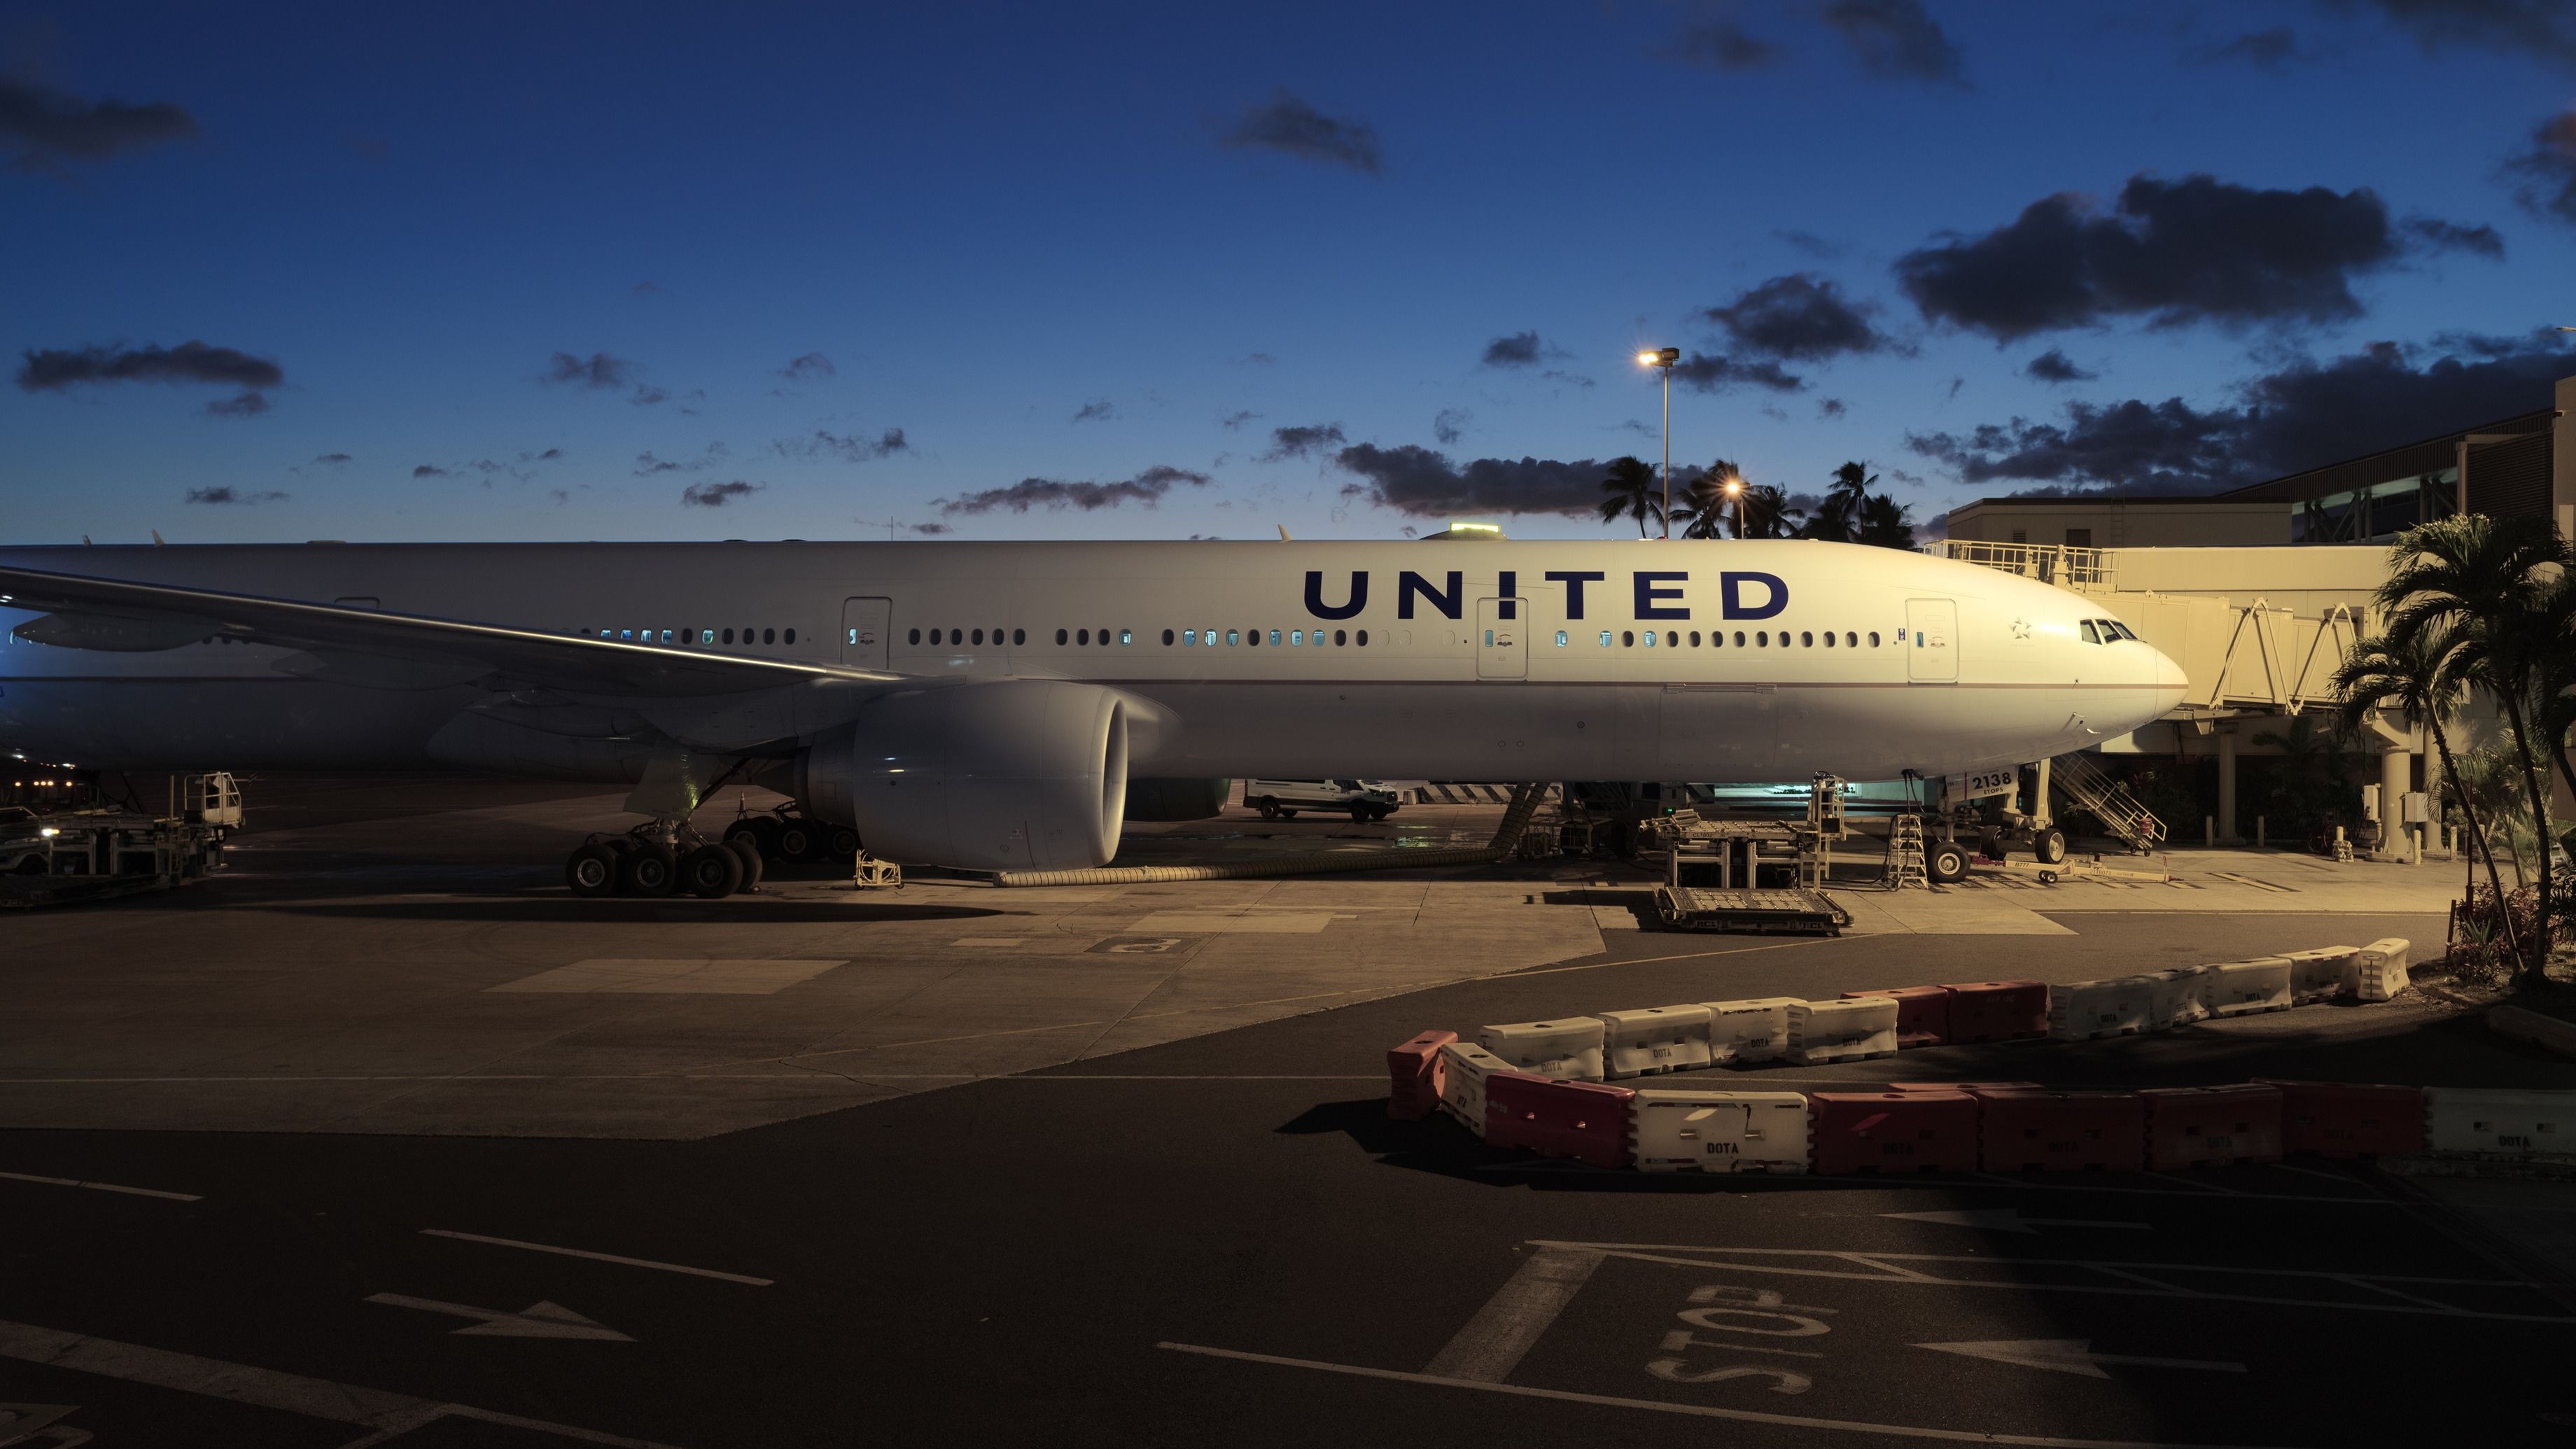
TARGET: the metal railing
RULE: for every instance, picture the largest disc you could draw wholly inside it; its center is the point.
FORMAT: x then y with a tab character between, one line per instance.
2086	570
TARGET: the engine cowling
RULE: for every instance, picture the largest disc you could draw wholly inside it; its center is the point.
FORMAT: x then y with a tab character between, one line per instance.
1021	774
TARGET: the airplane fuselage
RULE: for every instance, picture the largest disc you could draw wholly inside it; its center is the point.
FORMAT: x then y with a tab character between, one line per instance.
1732	661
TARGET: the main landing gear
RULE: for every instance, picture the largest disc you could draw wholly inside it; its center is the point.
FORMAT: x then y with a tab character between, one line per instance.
661	858
783	835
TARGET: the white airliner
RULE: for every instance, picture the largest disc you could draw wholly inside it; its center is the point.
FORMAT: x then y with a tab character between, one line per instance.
986	705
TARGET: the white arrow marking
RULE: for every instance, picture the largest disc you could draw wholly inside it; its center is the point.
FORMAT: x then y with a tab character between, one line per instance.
540	1320
2070	1356
2010	1220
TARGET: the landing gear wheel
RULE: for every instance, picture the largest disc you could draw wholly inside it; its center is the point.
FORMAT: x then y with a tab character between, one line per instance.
799	841
748	831
2049	845
592	871
1269	808
648	870
845	843
747	851
711	872
1945	862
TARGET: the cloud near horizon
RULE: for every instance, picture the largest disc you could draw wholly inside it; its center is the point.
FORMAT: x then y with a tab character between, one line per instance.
1146	489
717	495
1288	125
43	127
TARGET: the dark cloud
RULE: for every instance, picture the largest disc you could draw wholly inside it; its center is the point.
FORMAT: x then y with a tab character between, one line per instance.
1236	420
1518	349
1704	373
1450	425
429	470
1832	407
812	367
2451	236
1722	45
2542	28
1810	243
234	495
2270	50
648	396
2175	252
597	370
334	458
548	456
42	127
2545	174
1797	317
2300	416
1305	442
55	368
1146	488
1421	483
716	495
1896	40
2055	366
247	405
1259	359
1099	411
647	465
1289	125
932	529
1569	379
847	448
647	287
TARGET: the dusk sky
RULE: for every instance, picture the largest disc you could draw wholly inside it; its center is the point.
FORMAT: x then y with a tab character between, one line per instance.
643	272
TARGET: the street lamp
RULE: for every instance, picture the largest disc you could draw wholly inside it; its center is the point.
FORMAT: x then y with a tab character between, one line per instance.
1665	357
1735	490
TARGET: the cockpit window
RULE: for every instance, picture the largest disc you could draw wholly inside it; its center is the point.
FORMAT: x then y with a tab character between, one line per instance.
2118	630
2091	635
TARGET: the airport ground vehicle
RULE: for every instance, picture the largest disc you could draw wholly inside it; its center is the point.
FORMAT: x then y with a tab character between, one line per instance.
1366	800
26	842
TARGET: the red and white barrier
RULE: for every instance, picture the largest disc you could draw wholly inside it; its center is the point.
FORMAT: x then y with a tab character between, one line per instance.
1464	1069
2023	1129
1676	1131
1413	1071
1997	1010
2212	1126
1585	1121
2490	1122
1922	1014
2341	1119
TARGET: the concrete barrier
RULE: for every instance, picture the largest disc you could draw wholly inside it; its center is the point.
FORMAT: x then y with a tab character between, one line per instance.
2180	997
1676	1131
2493	1122
1654	1039
2212	1126
1569	1046
2243	988
2114	1006
1854	1132
2021	1130
2377	972
1753	1030
1464	1069
1842	1031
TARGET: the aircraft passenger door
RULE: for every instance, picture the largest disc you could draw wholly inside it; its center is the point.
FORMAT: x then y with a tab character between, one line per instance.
1502	638
1931	641
864	623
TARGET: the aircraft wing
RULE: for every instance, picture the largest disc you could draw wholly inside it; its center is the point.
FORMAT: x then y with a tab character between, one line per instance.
369	647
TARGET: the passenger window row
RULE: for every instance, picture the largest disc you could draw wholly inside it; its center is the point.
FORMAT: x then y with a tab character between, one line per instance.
1674	639
686	637
1184	638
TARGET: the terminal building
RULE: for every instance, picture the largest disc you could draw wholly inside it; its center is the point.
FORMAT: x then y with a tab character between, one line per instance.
2258	593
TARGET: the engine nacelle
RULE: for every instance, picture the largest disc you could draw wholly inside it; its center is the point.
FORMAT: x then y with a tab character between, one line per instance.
1019	774
1149	798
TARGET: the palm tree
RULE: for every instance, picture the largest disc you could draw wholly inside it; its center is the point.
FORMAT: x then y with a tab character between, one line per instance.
1838	518
1703	507
2553	643
1632	489
2416	677
1766	513
2478	575
1885	522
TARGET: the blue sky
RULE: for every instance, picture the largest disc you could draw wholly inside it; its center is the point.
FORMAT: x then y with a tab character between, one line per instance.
991	221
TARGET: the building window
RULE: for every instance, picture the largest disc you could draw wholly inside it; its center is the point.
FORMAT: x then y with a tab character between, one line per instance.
2021	535
2079	538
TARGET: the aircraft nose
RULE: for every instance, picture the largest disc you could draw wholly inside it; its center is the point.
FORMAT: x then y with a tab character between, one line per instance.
2171	682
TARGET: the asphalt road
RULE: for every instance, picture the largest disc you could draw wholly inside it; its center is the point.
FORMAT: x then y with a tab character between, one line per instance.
1223	1240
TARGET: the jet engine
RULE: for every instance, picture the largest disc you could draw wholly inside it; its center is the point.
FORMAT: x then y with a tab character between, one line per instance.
1020	774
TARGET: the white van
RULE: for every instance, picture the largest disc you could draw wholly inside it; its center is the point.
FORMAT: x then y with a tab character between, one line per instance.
1365	800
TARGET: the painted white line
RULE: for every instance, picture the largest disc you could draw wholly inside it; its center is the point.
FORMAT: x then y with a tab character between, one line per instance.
2150	1276
1502	1333
597	1257
2071	1356
542	1319
103	1187
1036	1074
1703	1411
389	1414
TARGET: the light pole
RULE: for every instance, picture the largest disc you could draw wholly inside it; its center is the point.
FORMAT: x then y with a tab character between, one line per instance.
1665	357
1735	490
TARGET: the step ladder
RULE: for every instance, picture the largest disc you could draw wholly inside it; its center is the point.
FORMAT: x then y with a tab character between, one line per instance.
1905	853
1507	836
2107	800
